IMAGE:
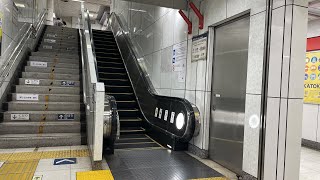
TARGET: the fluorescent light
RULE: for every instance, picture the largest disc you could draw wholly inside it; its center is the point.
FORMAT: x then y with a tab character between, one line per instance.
20	5
138	10
77	1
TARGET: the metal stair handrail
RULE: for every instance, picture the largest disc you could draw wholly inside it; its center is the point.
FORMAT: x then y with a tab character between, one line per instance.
26	37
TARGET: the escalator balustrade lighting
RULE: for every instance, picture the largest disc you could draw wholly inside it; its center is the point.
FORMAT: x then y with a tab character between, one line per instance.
180	121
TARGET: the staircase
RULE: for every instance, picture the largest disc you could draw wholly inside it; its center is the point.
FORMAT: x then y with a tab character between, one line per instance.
44	108
117	83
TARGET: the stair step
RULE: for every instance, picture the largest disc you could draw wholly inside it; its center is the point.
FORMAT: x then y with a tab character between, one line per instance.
118	89
56	55
40	140
37	75
56	60
58	65
60	45
58	50
46	89
48	82
35	127
36	116
51	70
49	97
42	106
59	41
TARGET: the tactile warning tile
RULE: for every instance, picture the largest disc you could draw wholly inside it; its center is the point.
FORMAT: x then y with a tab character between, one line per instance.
213	178
95	175
25	156
22	170
5	157
80	153
55	154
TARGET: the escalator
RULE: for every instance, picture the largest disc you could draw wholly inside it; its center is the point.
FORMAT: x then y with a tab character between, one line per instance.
112	72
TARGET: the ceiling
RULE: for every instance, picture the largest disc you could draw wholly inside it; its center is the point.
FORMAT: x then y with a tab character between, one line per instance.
70	8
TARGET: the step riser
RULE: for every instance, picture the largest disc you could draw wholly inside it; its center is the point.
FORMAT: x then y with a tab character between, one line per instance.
60	65
130	123
109	55
55	60
111	70
52	98
21	129
35	75
48	118
50	70
118	90
126	105
128	114
40	142
113	76
47	90
56	54
61	37
44	82
60	46
116	82
59	50
56	41
42	107
58	32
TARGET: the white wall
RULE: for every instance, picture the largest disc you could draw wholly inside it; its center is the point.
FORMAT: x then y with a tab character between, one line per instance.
154	30
311	112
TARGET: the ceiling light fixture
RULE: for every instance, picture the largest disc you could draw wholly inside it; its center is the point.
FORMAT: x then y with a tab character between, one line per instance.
20	5
77	1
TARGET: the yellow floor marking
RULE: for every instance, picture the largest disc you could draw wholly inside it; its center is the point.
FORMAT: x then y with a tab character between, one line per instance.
21	170
4	157
25	156
55	154
95	175
212	178
80	153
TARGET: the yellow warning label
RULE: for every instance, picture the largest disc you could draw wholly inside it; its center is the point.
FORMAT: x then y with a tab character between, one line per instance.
95	175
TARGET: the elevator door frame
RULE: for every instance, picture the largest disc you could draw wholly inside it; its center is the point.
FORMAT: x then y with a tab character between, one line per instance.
211	55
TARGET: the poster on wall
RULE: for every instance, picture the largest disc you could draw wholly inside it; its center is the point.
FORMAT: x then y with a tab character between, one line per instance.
199	47
1	22
312	78
179	56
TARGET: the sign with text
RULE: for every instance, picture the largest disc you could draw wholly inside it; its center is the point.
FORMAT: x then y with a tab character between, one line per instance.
199	47
179	56
63	117
312	78
22	117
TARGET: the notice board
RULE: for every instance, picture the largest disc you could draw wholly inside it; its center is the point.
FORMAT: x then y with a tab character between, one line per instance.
312	78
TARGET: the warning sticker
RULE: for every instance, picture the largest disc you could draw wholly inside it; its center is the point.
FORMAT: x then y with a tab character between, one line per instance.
166	115
67	83
52	35
19	117
172	117
160	114
32	81
38	64
27	97
47	47
50	40
65	116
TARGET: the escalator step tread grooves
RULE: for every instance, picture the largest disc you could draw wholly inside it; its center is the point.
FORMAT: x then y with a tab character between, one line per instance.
112	72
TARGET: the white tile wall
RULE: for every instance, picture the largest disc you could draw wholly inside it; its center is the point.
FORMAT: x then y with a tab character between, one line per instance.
310	122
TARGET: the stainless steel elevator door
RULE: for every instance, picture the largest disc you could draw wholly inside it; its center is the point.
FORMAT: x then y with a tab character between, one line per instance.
229	93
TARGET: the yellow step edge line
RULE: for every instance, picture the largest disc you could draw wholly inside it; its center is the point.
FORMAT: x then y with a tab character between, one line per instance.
95	175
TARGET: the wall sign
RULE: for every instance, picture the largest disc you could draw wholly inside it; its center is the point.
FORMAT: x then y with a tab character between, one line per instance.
199	47
179	57
312	78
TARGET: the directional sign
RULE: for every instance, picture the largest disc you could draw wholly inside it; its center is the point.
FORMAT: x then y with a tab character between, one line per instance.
67	83
65	117
23	117
37	177
47	47
38	64
50	40
32	81
65	161
27	97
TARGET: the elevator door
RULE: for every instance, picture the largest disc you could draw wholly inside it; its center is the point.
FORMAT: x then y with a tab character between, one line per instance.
229	93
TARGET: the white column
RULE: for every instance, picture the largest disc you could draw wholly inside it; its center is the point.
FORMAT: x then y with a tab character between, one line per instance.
50	12
285	90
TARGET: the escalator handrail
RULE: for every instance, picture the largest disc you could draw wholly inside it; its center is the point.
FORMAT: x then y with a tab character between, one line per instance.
192	111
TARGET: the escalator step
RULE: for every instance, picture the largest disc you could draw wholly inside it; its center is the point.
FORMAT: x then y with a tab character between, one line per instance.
113	75
127	104
136	122
111	70
133	136
134	140
118	89
116	82
136	145
132	130
123	96
128	113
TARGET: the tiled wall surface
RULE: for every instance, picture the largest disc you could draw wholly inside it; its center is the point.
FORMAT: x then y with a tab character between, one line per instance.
311	116
154	30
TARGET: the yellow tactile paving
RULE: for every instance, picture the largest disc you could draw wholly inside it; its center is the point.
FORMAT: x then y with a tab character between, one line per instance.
80	153
95	175
5	157
212	178
22	176
55	154
21	170
25	156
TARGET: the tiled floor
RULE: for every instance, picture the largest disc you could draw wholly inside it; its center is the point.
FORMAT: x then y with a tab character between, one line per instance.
48	171
310	164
